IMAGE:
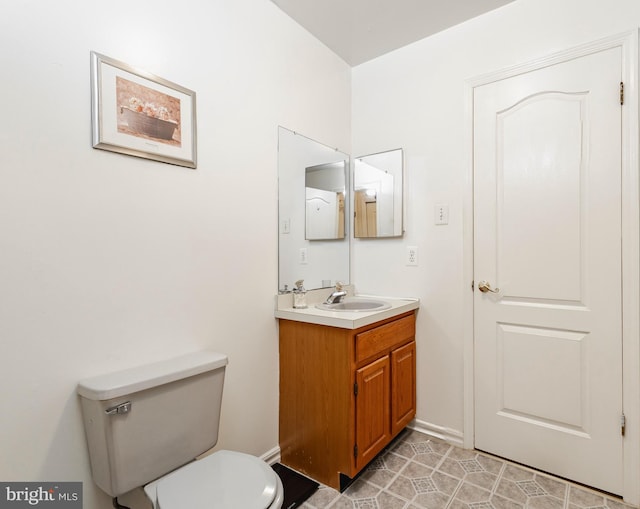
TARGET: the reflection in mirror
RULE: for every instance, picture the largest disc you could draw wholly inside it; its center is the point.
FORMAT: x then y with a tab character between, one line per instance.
311	243
377	185
325	188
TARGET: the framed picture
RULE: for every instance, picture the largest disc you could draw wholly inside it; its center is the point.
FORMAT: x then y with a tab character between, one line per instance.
136	113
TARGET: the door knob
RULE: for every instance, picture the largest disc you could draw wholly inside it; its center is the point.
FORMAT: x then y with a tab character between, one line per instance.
485	287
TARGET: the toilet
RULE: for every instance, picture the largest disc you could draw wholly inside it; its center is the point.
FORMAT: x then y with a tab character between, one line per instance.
149	427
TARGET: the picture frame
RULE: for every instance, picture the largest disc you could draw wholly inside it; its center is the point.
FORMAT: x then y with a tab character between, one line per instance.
136	113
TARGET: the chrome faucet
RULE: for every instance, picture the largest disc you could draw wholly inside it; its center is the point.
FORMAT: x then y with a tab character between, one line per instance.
336	296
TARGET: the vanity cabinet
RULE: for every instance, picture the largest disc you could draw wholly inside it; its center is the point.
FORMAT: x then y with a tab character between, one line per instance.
344	394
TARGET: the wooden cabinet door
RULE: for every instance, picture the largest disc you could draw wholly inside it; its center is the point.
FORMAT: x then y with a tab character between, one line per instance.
403	386
373	421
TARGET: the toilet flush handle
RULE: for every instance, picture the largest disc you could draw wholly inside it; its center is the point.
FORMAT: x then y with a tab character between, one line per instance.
122	408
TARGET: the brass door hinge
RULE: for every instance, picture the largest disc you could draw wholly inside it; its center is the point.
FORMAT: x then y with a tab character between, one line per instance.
621	93
355	451
623	424
355	389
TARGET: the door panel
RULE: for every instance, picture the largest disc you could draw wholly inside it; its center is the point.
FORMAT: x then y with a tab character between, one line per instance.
547	234
403	386
373	419
527	378
540	144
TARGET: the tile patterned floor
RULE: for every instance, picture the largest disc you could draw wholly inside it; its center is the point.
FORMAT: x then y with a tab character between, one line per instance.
420	472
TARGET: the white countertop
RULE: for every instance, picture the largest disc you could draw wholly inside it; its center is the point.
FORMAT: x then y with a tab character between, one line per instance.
343	319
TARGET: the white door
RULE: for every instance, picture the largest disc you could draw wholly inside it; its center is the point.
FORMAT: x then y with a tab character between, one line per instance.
547	234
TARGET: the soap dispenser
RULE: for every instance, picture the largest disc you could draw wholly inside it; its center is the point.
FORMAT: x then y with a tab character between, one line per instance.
299	295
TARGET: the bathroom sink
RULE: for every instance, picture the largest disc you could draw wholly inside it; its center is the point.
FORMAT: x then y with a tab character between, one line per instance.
355	304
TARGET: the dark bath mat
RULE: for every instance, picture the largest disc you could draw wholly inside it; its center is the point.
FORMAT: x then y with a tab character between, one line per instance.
297	487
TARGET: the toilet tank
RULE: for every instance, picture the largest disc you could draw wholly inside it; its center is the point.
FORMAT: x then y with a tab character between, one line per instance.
144	422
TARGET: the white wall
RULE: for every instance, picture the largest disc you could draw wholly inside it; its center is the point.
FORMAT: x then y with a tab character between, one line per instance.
414	98
109	261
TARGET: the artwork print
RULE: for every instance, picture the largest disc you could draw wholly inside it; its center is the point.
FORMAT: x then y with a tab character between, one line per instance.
139	114
147	113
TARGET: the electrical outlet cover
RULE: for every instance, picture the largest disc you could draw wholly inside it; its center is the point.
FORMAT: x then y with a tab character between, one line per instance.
412	255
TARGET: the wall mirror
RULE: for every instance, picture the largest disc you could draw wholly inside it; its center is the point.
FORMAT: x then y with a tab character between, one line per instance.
378	194
313	237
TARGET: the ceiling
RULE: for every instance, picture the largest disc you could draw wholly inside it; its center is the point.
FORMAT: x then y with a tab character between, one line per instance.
360	30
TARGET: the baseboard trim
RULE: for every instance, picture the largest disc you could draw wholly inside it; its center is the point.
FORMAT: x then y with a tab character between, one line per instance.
272	456
451	436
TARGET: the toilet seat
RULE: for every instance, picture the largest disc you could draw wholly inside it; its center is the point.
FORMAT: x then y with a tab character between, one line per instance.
222	480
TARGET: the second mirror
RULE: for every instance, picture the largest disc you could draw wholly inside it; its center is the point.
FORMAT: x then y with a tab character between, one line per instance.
378	186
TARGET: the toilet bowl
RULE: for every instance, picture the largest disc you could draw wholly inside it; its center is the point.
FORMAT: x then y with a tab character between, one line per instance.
146	425
224	480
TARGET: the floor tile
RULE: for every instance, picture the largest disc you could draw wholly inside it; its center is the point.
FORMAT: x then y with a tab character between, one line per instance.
420	472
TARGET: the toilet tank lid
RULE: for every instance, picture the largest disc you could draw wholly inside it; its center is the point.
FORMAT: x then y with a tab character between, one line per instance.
128	381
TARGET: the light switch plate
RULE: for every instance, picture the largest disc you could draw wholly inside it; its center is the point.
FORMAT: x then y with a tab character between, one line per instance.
441	214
